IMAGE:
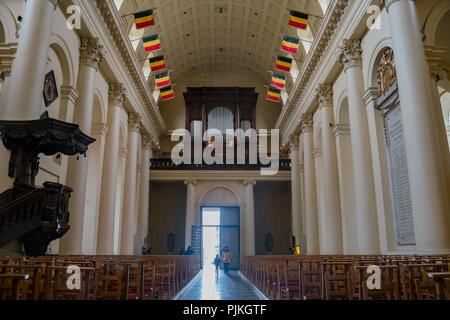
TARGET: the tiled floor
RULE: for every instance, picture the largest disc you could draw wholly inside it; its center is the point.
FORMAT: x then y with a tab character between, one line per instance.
209	286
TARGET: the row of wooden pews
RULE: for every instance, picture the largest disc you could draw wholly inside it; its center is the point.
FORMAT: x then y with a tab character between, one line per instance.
100	277
328	277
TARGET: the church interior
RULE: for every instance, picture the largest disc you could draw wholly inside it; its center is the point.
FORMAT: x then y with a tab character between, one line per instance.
174	149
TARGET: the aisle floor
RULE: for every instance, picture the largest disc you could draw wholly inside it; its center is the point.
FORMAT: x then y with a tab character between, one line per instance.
211	286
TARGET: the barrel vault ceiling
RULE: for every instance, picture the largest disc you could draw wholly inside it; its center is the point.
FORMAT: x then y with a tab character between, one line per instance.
220	35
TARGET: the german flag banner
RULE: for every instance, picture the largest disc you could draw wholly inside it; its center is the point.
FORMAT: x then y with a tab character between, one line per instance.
151	43
278	80
274	94
162	79
283	64
298	20
144	19
290	44
157	63
167	93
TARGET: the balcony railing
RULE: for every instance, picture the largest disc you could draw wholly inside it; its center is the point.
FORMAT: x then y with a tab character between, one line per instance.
168	164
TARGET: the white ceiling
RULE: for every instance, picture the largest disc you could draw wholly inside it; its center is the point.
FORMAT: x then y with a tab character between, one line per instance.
217	35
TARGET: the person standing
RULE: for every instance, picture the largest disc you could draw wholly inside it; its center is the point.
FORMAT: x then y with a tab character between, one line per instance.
226	259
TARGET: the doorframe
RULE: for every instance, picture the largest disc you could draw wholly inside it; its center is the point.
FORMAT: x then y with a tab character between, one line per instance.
238	226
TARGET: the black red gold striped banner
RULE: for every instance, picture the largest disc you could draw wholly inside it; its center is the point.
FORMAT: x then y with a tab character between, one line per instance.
167	93
144	19
162	79
151	43
298	19
274	94
157	63
284	64
278	80
290	44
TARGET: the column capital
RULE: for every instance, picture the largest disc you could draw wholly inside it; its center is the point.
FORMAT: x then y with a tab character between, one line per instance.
389	3
69	93
146	141
317	153
134	121
54	3
341	130
370	95
294	142
190	182
117	92
434	57
123	152
100	128
324	94
301	168
249	182
91	52
306	122
350	53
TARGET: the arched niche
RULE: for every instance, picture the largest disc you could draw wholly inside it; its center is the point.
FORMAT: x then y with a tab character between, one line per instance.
220	195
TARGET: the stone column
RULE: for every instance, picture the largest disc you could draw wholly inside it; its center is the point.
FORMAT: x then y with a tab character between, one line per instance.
434	57
311	212
144	192
429	190
90	57
249	218
190	210
381	171
105	239
332	207
295	189
129	221
366	207
28	71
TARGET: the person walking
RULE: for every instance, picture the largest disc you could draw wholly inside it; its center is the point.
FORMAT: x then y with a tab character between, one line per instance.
226	259
217	263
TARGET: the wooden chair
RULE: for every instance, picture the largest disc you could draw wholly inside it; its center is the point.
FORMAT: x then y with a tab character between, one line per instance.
14	286
337	280
415	282
311	283
442	284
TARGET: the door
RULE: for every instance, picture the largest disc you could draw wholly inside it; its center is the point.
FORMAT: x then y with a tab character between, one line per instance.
229	233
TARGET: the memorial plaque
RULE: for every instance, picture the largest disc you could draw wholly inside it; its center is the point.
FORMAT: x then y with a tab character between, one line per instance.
400	188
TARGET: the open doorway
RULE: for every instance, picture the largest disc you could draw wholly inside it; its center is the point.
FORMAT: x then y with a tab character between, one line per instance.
220	228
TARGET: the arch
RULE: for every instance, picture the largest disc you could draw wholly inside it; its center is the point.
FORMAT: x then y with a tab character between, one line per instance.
7	24
101	103
382	45
60	47
2	33
342	116
237	197
434	19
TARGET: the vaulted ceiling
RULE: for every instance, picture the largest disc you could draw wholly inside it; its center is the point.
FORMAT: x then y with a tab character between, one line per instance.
218	35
